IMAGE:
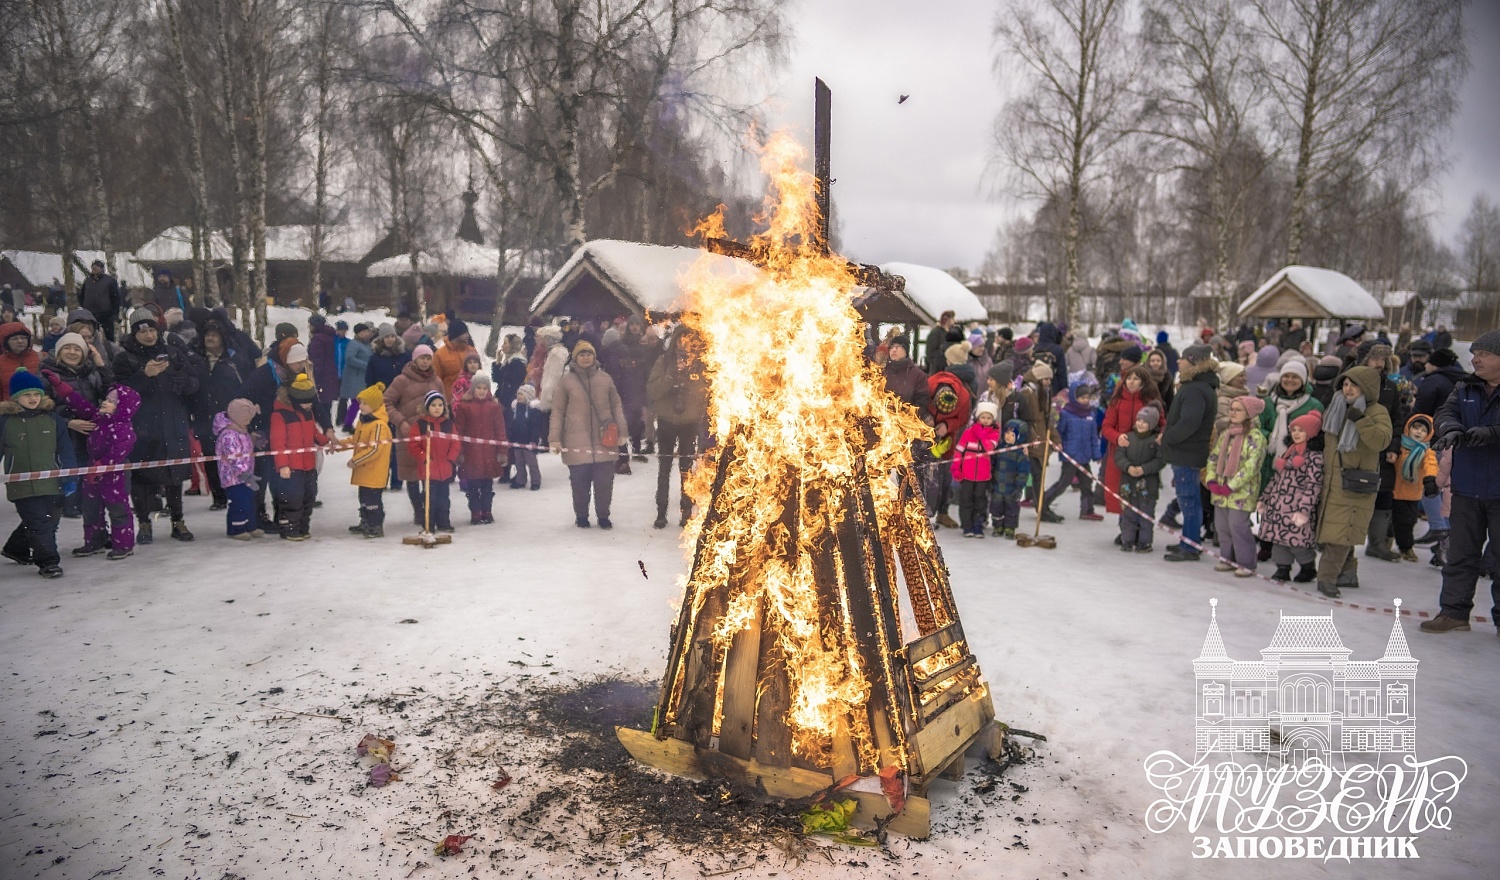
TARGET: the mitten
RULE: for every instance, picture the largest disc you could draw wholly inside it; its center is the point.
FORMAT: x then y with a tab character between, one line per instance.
252	481
1355	414
534	404
1429	486
1217	488
62	388
181	382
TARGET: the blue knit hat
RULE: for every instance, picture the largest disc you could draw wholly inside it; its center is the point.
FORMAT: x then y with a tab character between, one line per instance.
24	380
1162	337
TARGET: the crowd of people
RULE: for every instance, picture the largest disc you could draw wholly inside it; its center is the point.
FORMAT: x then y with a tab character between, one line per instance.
1271	450
1276	453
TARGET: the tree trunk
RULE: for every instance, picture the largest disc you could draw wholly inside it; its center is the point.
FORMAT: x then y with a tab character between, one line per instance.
1305	133
201	249
238	234
99	195
259	111
570	165
320	170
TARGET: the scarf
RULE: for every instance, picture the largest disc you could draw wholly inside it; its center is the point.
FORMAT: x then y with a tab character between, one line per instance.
1336	420
1285	406
1284	461
1416	452
1084	410
1234	444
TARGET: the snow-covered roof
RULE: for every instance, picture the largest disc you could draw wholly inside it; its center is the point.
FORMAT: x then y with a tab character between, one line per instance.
935	291
127	270
643	277
1397	299
341	244
175	245
38	267
1324	293
457	257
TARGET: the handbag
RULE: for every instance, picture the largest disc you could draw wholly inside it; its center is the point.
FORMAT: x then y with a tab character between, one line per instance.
609	437
1357	481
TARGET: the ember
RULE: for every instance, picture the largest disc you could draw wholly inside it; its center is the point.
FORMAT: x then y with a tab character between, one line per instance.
789	662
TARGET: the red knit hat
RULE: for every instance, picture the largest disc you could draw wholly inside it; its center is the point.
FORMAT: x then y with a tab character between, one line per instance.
1311	423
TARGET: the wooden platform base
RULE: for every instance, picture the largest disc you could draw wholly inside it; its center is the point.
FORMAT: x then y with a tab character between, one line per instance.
681	759
427	539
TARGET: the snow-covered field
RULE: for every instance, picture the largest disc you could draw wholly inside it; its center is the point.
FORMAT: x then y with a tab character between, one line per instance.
192	711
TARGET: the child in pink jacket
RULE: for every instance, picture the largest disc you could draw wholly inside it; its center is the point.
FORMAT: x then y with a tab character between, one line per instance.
972	456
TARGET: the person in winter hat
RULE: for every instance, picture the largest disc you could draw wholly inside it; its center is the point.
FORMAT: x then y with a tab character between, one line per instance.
16	353
1010	472
1263	368
1356	434
1139	463
436	456
235	447
370	463
449	360
972	471
1080	447
1233	478
33	438
158	369
948	408
526	429
480	420
958	364
1164	345
294	431
1323	376
405	402
677	391
109	443
1185	442
1416	478
1288	506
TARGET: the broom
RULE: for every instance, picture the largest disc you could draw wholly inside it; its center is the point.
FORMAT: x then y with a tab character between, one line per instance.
427	539
1036	538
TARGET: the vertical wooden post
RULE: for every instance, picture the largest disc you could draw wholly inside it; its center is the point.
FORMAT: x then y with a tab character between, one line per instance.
738	718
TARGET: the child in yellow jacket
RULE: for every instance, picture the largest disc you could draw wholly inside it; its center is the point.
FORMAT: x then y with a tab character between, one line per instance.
1416	477
371	462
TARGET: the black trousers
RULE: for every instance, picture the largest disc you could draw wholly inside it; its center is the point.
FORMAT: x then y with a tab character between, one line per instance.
481	495
1070	474
973	504
294	501
1005	510
598	477
215	486
140	498
1404	516
1473	522
682	441
441	504
36	537
371	506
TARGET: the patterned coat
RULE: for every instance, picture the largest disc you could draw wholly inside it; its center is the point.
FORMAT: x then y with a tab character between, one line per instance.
1296	483
1244	484
1012	468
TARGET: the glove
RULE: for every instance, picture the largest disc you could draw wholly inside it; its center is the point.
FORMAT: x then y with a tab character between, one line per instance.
1451	440
1218	488
181	382
62	388
1300	519
1485	436
253	482
1355	414
1429	487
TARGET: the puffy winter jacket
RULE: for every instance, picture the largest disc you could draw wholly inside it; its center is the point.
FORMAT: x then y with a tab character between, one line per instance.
292	428
971	457
235	450
33	440
1244	483
1145	453
1190	419
371	450
1476	469
445	450
477	420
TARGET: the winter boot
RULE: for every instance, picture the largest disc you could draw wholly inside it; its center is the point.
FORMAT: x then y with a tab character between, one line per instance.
1328	590
116	555
1433	536
1306	574
180	531
1409	555
1283	573
51	571
1439	554
374	531
1377	544
143	532
1264	553
89	548
661	520
623	467
1348	579
946	521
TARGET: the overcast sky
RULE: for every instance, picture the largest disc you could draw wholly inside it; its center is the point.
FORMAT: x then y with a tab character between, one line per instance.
913	181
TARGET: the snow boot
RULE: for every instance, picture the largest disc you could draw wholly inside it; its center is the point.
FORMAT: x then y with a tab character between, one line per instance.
51	571
117	555
1328	590
374	531
1409	555
623	468
1433	536
946	521
1283	573
1348	579
661	521
1439	554
1264	553
143	532
180	531
89	549
1306	574
1377	543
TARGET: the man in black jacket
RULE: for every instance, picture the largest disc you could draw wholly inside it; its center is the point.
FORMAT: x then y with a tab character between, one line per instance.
1442	374
937	342
1184	443
100	294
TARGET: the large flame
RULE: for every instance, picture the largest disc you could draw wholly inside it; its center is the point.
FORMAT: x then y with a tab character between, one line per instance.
792	397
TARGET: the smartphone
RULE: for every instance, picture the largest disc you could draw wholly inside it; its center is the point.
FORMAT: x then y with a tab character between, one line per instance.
161	357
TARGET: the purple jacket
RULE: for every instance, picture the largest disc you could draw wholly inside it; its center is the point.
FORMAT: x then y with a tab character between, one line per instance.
322	350
111	441
234	449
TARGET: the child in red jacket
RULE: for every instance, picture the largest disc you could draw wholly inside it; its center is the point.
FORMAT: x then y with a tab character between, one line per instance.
437	470
480	420
293	434
972	458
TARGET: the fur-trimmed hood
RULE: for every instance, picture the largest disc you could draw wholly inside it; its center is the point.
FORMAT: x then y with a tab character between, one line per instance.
11	408
1187	372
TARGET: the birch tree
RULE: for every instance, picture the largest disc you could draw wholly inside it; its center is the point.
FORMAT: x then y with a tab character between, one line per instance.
1479	241
1360	87
202	234
1058	137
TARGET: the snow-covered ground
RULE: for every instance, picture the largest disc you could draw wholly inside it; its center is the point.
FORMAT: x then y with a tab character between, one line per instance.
170	715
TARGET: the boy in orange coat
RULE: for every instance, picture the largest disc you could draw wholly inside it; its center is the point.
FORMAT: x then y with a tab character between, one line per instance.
1416	477
371	462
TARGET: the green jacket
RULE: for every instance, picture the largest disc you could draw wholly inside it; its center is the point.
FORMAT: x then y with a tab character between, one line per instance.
1244	484
1345	516
33	440
1268	424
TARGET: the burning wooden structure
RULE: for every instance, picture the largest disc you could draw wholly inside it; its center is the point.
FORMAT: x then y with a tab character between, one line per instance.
818	644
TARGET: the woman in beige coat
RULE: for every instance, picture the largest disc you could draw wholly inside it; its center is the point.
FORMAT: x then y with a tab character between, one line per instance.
403	404
584	408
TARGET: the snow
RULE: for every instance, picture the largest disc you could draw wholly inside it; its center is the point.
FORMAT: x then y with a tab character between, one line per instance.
175	245
341	244
149	673
1334	292
458	257
39	268
647	276
935	292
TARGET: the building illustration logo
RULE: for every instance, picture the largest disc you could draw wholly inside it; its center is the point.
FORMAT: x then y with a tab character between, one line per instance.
1304	753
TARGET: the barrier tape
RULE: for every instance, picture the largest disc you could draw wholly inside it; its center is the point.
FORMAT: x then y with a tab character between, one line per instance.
1285	585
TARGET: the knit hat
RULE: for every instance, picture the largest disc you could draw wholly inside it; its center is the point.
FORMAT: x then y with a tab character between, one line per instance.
1162	337
1246	347
431	396
987	406
581	346
1132	353
385	330
1443	357
341	326
296	354
1150	415
957	353
172	316
903	340
72	339
457	328
1331	360
420	351
24	380
976	336
1229	371
1420	345
359	328
140	318
1311	422
1296	368
1252	404
285	331
1003	373
373	395
302	389
1489	342
1024	344
480	379
413	335
526	394
316	320
1195	354
1041	372
241	411
551	333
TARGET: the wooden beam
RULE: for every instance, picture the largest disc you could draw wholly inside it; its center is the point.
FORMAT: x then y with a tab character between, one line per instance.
951	732
737	721
928	645
679	758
